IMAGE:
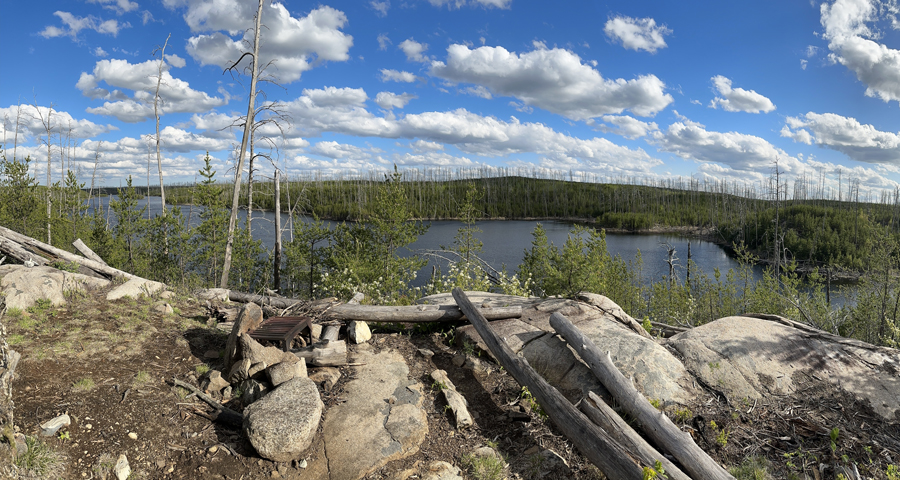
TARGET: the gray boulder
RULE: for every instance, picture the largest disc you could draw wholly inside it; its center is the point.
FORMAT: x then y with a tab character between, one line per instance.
746	358
134	288
286	371
657	373
282	425
23	286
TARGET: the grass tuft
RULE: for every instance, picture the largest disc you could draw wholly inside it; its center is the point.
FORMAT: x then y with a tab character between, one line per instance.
83	385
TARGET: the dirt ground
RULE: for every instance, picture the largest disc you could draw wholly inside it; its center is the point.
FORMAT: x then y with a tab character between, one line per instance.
107	364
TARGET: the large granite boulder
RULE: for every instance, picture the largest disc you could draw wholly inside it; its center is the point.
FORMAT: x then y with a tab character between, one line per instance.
281	425
134	288
23	286
747	358
657	373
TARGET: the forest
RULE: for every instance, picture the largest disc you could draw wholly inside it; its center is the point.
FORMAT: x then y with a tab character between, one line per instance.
378	217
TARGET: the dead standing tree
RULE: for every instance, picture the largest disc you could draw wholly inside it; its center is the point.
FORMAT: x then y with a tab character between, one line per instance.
48	128
159	74
254	69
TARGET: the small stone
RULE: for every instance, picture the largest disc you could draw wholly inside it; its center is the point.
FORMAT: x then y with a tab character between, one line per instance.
459	360
302	464
132	436
426	353
50	427
211	354
213	449
122	469
359	332
531	451
88	426
160	463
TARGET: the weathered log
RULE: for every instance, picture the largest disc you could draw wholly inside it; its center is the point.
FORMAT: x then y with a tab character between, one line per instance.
14	250
376	313
87	252
330	333
415	313
64	255
601	449
667	330
655	424
324	354
607	419
223	414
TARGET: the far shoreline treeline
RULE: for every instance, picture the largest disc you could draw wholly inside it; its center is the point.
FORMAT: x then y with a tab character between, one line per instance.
814	232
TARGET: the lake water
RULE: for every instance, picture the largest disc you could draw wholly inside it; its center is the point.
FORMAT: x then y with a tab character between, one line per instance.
505	242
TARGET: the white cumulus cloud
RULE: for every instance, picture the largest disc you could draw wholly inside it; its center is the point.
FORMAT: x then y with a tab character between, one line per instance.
461	3
863	143
628	127
118	6
738	99
397	76
555	80
176	94
388	100
637	33
73	24
852	34
414	50
292	45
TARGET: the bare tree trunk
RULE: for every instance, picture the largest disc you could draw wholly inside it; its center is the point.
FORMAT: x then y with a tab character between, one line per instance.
248	126
94	174
277	260
162	62
250	186
48	128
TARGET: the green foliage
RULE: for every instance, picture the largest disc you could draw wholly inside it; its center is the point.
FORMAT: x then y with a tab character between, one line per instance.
208	243
83	385
484	467
39	460
305	257
130	224
656	471
751	468
65	266
18	198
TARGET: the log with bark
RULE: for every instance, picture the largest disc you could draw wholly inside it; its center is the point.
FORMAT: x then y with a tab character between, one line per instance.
655	424
601	449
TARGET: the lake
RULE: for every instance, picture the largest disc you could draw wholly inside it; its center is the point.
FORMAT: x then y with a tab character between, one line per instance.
505	242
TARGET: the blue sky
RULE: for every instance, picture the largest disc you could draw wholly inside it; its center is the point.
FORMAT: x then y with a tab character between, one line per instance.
643	91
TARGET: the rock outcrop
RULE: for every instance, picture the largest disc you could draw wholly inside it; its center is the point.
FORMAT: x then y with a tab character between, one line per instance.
23	286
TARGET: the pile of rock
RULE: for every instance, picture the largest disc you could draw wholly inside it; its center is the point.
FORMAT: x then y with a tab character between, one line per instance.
282	407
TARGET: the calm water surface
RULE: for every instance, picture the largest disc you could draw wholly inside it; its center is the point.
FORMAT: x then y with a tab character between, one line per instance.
505	242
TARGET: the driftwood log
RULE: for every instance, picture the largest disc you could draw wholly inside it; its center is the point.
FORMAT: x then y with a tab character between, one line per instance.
655	424
607	419
26	241
16	251
601	449
375	313
86	251
222	414
324	354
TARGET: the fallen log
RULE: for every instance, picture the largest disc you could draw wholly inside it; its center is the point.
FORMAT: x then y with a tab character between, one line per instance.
377	313
14	250
597	445
607	419
655	424
98	267
324	354
222	414
87	252
415	313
